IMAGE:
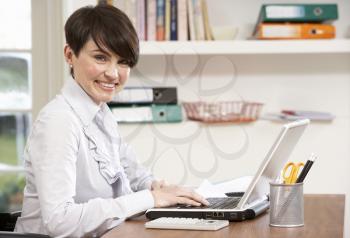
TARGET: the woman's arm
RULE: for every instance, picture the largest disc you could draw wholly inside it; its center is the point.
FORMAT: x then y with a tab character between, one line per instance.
53	150
139	177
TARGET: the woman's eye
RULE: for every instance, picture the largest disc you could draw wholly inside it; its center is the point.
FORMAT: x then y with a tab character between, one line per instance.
123	63
101	58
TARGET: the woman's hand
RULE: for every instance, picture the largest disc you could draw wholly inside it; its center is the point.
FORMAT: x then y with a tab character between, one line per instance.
158	184
167	195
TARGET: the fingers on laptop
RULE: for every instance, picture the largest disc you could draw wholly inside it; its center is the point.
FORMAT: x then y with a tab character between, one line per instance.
172	195
192	195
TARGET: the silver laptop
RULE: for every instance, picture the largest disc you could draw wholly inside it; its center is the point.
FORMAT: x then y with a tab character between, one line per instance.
252	202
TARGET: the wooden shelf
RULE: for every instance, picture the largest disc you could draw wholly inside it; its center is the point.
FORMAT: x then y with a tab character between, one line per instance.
245	47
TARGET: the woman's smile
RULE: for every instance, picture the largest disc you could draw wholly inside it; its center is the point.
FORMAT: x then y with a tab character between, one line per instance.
106	86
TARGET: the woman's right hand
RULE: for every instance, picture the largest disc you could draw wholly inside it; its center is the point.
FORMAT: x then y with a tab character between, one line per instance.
169	195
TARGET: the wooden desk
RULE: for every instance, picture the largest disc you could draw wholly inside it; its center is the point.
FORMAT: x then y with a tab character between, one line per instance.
324	217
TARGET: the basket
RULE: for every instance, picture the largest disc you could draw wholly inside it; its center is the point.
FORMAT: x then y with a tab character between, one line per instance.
225	111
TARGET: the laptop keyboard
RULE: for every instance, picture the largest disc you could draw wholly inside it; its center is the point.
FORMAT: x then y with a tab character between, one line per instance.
217	203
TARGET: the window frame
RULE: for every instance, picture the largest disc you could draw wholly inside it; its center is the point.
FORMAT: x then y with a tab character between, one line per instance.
46	67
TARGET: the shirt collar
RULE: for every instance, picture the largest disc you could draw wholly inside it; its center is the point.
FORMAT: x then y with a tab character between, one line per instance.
81	103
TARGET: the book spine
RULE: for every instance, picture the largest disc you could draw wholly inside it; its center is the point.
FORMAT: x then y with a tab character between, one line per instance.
190	17
151	20
182	23
160	20
207	29
198	20
141	19
173	20
167	19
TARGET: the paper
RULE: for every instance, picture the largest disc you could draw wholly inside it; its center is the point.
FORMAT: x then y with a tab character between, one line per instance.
236	185
207	189
297	115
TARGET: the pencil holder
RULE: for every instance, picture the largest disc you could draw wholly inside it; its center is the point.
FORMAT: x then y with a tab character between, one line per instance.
286	205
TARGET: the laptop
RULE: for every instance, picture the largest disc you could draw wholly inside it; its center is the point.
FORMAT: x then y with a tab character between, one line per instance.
254	201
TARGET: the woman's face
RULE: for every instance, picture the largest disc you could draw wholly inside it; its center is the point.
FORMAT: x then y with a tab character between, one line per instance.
100	74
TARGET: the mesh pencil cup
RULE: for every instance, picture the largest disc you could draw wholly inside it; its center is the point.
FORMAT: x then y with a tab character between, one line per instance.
286	205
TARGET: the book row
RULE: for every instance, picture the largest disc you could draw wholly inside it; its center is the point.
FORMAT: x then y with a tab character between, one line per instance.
167	20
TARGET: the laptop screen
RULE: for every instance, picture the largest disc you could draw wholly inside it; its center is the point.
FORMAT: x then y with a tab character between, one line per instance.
275	159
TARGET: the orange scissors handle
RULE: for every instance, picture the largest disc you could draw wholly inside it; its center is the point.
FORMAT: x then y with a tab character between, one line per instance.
291	172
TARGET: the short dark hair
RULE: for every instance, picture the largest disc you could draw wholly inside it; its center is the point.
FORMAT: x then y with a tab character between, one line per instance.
108	27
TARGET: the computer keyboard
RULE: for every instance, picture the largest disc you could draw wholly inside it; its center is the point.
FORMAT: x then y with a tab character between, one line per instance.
186	223
223	203
215	203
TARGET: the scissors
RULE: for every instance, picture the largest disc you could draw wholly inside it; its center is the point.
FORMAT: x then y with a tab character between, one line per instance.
291	171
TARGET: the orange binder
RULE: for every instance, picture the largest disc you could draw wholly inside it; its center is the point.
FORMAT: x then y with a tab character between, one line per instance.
271	31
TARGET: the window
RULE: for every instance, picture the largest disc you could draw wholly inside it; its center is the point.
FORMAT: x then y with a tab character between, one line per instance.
15	98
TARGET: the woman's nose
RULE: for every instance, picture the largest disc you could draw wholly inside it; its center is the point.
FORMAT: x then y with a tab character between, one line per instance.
112	72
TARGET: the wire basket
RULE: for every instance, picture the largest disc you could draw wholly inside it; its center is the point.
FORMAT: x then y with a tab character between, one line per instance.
225	111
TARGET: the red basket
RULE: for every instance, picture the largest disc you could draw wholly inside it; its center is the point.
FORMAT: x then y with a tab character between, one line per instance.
226	111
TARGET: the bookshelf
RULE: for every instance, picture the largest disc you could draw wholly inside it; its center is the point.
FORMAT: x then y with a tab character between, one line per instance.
246	47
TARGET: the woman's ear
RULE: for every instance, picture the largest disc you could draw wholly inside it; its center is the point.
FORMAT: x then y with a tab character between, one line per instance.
68	54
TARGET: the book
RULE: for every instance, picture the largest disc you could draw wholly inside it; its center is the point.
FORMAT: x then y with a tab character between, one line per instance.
141	19
198	20
182	22
270	31
173	19
167	19
208	35
150	113
298	12
160	18
151	20
146	95
190	19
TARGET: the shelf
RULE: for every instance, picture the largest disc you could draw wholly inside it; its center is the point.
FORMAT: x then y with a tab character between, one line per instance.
245	47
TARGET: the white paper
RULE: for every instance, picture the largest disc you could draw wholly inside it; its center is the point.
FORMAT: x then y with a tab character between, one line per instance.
206	189
236	185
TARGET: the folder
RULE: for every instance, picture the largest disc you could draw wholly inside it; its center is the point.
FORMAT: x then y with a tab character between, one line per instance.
145	95
270	31
150	113
298	12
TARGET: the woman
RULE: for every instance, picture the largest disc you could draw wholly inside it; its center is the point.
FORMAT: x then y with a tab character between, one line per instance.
82	179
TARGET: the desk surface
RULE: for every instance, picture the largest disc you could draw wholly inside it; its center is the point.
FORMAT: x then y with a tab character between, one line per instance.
324	217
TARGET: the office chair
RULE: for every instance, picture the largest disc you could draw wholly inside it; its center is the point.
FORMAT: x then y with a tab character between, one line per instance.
7	225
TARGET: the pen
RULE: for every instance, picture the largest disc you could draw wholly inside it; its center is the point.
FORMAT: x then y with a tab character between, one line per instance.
306	168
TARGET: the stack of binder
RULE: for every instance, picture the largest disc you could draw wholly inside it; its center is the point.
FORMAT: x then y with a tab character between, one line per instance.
146	105
296	21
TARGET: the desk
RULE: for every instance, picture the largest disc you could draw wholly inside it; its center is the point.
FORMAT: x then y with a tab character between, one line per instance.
324	217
